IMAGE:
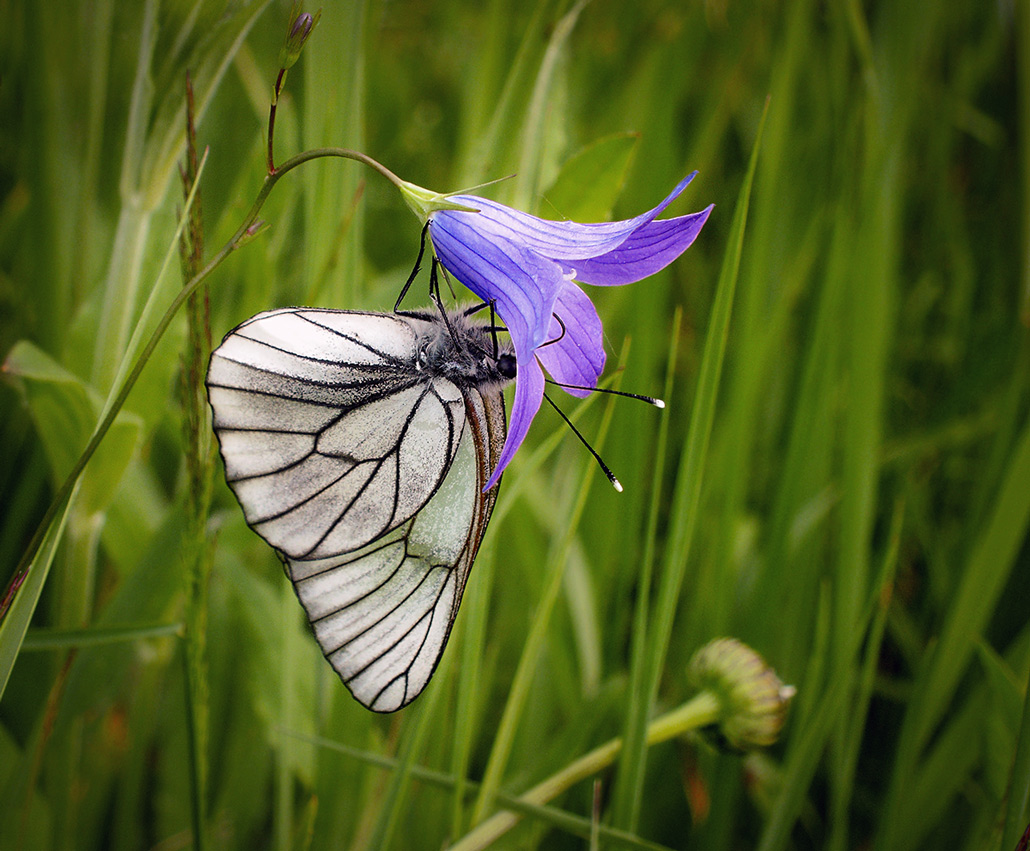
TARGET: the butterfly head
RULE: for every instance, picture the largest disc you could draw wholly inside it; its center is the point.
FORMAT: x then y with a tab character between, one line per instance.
506	365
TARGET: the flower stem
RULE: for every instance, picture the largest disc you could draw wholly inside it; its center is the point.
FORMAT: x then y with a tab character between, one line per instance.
249	228
700	711
270	164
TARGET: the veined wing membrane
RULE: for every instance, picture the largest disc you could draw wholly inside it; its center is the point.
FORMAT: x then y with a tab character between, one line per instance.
329	439
359	445
382	615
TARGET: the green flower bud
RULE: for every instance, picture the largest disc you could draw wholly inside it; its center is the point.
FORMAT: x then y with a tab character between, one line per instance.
752	700
303	24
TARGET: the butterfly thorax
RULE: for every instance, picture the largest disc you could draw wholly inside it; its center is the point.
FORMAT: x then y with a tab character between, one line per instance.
464	353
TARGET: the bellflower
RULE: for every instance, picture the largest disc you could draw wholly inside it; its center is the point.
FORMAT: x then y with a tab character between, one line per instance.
527	267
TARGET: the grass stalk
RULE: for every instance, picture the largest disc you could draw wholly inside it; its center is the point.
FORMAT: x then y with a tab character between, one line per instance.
416	731
1017	813
689	478
547	815
520	686
701	711
630	779
198	547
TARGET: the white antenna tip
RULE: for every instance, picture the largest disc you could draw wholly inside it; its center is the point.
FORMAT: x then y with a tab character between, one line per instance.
658	403
616	484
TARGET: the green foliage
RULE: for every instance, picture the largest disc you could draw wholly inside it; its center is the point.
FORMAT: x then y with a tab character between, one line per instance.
843	486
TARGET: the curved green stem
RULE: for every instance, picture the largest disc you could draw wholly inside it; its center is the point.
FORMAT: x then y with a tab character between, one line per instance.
246	231
700	711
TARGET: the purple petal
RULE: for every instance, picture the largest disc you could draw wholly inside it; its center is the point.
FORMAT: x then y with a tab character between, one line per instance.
529	393
522	285
577	356
651	248
560	240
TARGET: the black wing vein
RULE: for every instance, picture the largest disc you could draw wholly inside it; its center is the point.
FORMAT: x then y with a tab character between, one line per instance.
386	616
336	332
389	551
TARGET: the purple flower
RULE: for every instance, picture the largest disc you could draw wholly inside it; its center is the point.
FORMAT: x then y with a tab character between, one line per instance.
527	267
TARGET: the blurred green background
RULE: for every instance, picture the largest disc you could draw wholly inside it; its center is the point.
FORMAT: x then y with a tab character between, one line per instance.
858	515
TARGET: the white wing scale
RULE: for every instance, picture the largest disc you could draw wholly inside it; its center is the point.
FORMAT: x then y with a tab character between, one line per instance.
366	476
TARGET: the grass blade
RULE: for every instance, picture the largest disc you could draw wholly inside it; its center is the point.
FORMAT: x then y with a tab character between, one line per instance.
688	483
519	692
630	778
988	568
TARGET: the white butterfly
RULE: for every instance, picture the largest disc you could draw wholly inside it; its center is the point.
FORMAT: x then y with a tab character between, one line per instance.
358	445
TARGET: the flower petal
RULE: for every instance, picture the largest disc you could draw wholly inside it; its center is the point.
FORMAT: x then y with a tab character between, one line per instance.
577	355
649	249
521	284
529	393
561	240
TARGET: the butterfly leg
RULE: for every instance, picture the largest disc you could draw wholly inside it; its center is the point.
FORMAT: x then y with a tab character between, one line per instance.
414	271
434	294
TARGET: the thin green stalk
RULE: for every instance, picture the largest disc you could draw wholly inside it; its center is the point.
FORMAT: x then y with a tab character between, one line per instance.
74	603
687	499
193	750
1022	51
333	254
470	690
99	70
561	819
415	733
481	140
246	231
533	136
519	693
855	722
200	464
701	711
868	323
630	781
65	639
1017	814
123	274
282	816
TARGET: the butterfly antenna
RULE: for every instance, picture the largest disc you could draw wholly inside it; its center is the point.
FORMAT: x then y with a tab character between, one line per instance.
414	272
604	467
651	400
492	327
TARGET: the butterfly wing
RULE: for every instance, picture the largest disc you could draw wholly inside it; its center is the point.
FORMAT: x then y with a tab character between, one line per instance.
382	615
366	475
330	435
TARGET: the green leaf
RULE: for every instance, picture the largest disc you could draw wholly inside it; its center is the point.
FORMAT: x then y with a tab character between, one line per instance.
65	411
149	593
592	179
1000	721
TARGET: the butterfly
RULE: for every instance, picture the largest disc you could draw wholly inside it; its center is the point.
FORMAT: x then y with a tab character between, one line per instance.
358	445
